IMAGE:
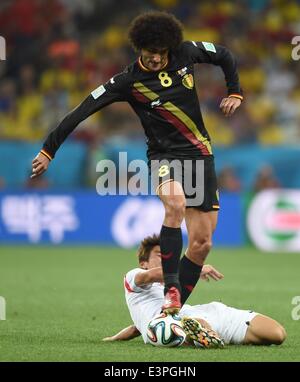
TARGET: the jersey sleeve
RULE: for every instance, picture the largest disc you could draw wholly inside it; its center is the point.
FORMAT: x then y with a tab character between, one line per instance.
115	90
129	281
209	53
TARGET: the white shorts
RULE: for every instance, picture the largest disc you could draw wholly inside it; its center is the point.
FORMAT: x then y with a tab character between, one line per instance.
231	324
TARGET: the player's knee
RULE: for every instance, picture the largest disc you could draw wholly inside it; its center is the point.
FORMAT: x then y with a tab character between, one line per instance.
206	246
175	208
200	247
278	335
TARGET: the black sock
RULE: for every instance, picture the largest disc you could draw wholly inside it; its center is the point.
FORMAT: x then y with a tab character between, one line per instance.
170	247
189	274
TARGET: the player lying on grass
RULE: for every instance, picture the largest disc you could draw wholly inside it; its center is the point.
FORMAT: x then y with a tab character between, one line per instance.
144	294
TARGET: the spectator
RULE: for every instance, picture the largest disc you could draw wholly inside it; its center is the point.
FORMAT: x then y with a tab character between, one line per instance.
266	179
228	181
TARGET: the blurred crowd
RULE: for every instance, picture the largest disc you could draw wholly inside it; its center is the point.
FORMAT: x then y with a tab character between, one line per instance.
59	50
228	181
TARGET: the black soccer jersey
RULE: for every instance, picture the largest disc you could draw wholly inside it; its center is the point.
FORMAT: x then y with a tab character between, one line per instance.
165	101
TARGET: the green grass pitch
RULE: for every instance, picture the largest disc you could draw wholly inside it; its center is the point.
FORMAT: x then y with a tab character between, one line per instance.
61	301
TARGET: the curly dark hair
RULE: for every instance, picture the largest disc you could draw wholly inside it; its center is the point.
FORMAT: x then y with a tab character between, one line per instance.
146	247
155	30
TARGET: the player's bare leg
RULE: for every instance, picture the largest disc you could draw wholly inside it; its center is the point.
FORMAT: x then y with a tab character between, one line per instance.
173	199
200	240
201	335
200	226
264	330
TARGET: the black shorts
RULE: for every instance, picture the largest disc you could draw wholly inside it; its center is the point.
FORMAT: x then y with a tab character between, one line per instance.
197	177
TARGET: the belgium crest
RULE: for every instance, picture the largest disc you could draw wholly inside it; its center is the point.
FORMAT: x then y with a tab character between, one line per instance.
188	81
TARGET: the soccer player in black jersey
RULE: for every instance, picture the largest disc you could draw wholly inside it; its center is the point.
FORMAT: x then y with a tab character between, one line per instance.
160	88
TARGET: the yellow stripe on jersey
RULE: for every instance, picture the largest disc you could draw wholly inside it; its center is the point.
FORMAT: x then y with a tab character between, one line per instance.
145	91
184	118
178	113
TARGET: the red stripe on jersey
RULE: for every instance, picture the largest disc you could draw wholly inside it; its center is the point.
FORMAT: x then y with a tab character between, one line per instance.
127	286
182	128
139	96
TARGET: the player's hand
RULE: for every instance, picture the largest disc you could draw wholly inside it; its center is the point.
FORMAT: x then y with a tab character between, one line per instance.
209	272
124	335
39	165
229	105
109	339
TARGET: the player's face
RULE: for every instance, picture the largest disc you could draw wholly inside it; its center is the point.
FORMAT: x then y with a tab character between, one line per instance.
154	60
154	258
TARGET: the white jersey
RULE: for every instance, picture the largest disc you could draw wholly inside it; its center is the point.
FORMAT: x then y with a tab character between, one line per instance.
144	303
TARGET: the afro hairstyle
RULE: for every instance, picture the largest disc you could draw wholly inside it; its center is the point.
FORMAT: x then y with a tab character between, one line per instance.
155	31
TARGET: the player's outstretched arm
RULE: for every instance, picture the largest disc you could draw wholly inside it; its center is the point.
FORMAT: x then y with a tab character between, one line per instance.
114	90
156	275
125	334
148	277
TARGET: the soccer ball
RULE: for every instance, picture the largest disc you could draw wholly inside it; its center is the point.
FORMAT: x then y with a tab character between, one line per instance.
166	330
